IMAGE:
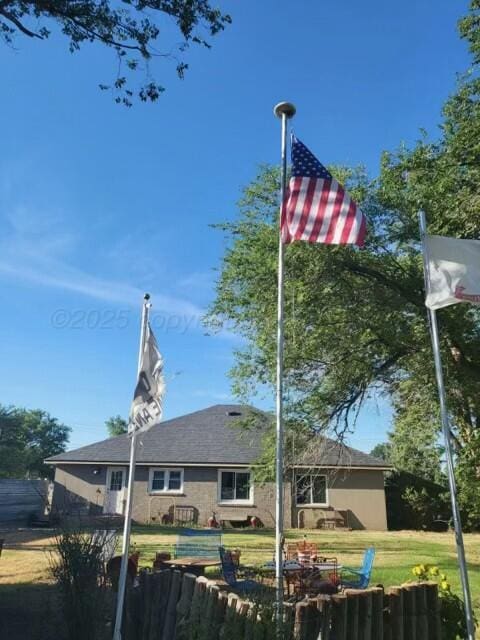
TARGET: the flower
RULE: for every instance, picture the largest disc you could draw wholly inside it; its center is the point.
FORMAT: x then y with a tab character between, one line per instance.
434	571
444	585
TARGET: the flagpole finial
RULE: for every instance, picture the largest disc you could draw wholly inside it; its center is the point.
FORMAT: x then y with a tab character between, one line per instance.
146	296
286	108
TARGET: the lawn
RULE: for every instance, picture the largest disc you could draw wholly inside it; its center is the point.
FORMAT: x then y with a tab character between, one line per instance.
25	584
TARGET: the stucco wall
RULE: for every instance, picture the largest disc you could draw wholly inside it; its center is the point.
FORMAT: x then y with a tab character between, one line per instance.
358	493
79	490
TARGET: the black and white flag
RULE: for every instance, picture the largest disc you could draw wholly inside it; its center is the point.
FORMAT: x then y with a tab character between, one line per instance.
147	405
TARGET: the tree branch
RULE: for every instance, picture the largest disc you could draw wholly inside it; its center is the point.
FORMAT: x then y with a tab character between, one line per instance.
14	20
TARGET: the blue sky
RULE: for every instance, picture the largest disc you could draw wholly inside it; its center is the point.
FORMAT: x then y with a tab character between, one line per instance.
99	203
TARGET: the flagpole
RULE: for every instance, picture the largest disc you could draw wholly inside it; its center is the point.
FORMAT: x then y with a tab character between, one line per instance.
448	440
285	111
117	634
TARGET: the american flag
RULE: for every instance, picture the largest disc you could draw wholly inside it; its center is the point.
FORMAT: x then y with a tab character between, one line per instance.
317	208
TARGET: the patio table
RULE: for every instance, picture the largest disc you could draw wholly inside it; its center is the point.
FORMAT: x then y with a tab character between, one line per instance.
192	564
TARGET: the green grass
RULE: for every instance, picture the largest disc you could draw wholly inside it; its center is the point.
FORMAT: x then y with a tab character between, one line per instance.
25	585
396	551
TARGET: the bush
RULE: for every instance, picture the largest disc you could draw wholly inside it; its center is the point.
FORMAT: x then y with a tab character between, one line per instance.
452	609
77	566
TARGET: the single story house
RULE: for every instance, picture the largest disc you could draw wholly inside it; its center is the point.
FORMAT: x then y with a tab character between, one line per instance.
202	462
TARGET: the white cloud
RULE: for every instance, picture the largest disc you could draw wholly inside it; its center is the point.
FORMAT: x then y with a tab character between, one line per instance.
35	247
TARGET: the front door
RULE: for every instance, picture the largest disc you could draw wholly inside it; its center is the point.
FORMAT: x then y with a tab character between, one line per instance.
114	491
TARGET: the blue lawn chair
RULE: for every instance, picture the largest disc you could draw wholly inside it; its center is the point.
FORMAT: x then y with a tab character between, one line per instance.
229	571
359	578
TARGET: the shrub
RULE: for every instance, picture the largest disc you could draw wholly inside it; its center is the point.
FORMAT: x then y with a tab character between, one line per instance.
76	564
452	609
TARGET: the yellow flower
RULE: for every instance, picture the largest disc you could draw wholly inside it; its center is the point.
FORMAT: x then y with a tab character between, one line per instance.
416	571
422	568
434	571
444	585
443	577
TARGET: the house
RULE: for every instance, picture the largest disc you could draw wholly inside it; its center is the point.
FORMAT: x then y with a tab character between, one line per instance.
201	463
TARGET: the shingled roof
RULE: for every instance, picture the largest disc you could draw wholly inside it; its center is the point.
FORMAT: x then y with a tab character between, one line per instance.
211	436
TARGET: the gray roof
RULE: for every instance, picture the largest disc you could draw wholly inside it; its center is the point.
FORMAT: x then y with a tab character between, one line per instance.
224	434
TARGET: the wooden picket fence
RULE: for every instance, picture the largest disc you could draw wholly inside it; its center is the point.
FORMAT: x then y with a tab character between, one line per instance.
169	605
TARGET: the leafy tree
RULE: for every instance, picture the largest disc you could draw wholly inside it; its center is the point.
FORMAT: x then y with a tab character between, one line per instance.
355	321
27	437
382	451
414	442
116	426
131	29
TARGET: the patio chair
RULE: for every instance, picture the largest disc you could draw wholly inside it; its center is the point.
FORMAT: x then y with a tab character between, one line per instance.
359	578
230	571
197	542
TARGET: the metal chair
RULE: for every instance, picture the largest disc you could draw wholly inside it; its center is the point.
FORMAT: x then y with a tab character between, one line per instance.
359	578
230	571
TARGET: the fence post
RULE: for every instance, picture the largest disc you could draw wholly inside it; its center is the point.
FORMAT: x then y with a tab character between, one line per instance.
215	610
433	611
324	605
288	620
171	612
312	620
147	603
184	606
160	589
339	617
387	618
377	613
243	610
198	603
299	628
396	614
421	605
410	611
132	613
231	626
352	613
365	615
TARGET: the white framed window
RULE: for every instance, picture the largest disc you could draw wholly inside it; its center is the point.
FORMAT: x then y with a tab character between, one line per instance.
165	480
311	489
235	486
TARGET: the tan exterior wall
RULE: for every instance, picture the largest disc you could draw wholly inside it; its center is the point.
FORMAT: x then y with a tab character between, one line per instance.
359	494
79	489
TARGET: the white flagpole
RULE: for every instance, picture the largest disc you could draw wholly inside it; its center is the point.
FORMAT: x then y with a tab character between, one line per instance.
117	634
462	563
285	111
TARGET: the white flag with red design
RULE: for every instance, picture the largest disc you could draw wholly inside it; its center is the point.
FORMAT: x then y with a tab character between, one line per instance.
453	271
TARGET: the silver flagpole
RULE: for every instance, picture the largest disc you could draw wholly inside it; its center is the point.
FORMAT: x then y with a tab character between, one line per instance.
448	440
117	634
285	111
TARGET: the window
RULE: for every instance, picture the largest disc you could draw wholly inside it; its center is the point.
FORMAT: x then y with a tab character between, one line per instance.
116	480
311	489
166	480
234	486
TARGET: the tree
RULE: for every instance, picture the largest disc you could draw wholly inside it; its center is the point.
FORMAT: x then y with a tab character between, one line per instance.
355	321
27	437
382	451
116	426
131	29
